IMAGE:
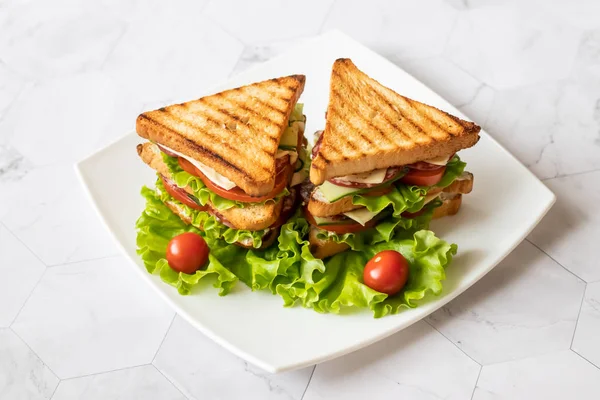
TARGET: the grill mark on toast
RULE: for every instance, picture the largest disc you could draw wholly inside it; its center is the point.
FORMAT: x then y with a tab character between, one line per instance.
230	115
356	112
194	126
335	111
225	112
367	139
410	102
253	112
405	116
201	149
287	96
207	151
234	150
269	106
381	132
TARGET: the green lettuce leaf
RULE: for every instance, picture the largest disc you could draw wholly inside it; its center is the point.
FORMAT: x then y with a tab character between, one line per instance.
213	228
258	269
297	113
156	227
201	192
289	269
454	169
336	283
401	198
382	232
409	198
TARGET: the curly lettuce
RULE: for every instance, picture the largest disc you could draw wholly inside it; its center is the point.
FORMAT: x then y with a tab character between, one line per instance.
207	222
407	197
288	268
454	169
336	284
258	269
382	232
156	227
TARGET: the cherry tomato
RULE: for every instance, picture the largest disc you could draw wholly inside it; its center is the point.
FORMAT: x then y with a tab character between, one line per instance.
187	253
284	169
423	177
180	194
387	272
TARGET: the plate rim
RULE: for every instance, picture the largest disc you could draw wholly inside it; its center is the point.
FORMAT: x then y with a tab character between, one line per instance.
545	204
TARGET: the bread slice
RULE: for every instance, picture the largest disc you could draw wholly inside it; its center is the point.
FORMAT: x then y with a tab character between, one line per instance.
323	248
268	239
251	217
320	207
451	203
369	126
235	132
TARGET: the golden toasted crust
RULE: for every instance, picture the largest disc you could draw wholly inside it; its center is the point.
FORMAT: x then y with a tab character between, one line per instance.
450	206
320	208
370	126
268	239
324	248
251	217
235	132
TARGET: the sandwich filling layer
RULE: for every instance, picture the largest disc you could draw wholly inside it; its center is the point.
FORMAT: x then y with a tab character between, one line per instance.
364	206
213	222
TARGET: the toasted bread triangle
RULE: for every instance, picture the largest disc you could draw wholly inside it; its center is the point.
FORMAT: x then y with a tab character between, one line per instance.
235	132
369	126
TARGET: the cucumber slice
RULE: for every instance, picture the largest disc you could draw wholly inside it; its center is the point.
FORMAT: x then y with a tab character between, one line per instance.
296	114
290	135
334	192
299	164
322	221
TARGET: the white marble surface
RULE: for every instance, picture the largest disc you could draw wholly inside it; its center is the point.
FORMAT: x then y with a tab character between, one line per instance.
75	323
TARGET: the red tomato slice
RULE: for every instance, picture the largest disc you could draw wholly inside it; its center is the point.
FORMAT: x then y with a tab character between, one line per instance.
284	169
424	177
387	272
341	228
187	253
181	195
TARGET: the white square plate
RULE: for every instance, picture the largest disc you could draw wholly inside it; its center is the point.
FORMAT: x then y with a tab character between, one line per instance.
505	205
